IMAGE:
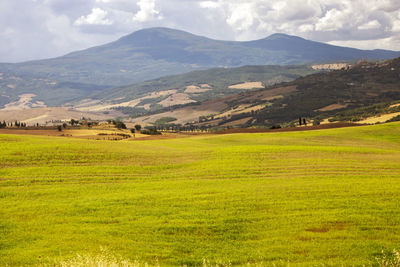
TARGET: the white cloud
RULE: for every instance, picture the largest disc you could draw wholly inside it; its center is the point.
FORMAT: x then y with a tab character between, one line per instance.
241	16
396	26
147	11
332	21
97	17
39	29
306	28
373	24
209	4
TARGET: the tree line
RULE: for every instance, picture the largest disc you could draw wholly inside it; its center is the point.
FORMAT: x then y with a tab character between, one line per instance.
17	124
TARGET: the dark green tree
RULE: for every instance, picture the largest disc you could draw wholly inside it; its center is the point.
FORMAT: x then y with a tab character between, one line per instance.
120	125
138	127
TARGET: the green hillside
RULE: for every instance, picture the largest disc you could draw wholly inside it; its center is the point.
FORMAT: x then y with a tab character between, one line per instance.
327	197
217	80
362	85
49	91
359	114
54	93
321	95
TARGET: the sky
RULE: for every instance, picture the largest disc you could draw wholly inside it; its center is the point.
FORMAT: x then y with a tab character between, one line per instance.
37	29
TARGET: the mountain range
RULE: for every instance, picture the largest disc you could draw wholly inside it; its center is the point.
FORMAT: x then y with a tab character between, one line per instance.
120	69
156	52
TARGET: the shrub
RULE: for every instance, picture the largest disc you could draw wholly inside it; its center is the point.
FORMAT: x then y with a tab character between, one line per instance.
275	127
119	124
151	131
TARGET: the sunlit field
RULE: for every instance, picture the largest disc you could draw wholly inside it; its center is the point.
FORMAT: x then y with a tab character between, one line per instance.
324	197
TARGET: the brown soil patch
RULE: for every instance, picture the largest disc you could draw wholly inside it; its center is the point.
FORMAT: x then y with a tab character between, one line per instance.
395	106
247	85
372	94
186	114
146	106
325	121
44	116
95	105
167	135
271	93
272	97
290	129
381	118
195	89
176	99
253	108
240	109
237	122
97	134
333	107
38	131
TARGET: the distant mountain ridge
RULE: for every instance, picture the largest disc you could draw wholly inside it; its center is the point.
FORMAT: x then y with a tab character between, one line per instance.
316	51
155	52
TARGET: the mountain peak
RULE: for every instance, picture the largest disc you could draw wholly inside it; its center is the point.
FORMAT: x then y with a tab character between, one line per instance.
158	34
155	52
158	30
283	36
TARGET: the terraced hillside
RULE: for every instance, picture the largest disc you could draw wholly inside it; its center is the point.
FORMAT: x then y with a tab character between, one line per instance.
326	197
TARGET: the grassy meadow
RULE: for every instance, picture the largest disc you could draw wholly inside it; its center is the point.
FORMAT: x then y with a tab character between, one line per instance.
326	197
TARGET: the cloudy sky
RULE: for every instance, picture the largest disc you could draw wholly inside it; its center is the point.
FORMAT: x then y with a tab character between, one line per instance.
35	29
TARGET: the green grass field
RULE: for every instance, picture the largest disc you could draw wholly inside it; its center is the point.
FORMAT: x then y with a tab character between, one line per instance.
327	197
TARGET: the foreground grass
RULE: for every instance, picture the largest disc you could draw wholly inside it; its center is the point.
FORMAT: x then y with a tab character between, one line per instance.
320	197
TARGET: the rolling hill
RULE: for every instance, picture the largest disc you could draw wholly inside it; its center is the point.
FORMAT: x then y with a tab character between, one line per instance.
316	96
44	91
156	52
192	87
